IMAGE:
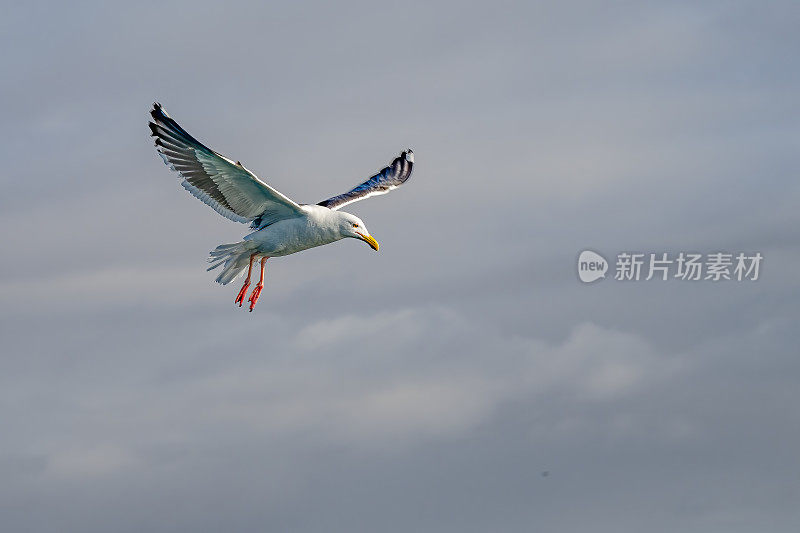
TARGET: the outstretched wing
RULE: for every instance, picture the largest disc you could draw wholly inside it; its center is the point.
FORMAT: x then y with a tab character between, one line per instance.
230	189
384	181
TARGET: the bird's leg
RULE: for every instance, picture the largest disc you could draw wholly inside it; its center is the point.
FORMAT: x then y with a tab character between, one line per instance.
240	296
260	285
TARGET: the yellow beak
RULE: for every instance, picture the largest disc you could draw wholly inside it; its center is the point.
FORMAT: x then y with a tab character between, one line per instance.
369	240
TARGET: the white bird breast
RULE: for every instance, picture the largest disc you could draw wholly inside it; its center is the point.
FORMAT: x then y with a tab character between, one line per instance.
296	234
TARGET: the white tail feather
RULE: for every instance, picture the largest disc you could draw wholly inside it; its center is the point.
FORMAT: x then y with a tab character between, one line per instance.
234	256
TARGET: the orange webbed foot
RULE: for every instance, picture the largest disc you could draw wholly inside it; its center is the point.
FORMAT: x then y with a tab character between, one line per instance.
242	293
254	297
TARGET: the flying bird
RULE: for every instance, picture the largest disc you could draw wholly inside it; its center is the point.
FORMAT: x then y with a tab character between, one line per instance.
281	225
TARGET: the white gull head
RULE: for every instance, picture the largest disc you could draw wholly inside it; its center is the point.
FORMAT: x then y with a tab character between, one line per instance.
351	226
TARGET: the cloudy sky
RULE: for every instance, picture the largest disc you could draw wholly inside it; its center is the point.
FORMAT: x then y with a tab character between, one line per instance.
461	380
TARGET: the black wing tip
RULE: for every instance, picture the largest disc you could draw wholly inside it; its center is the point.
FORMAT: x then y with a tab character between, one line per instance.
158	112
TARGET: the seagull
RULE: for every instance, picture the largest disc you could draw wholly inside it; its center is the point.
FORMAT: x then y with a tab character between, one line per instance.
281	225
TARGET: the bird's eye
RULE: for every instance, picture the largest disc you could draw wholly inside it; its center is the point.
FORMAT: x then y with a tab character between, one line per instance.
355	225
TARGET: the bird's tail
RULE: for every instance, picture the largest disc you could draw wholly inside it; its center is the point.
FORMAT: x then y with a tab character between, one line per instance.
232	257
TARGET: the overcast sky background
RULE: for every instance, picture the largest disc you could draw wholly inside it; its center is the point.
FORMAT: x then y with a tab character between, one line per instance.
428	386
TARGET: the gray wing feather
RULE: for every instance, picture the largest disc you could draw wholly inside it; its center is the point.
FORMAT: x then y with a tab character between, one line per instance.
384	181
227	187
